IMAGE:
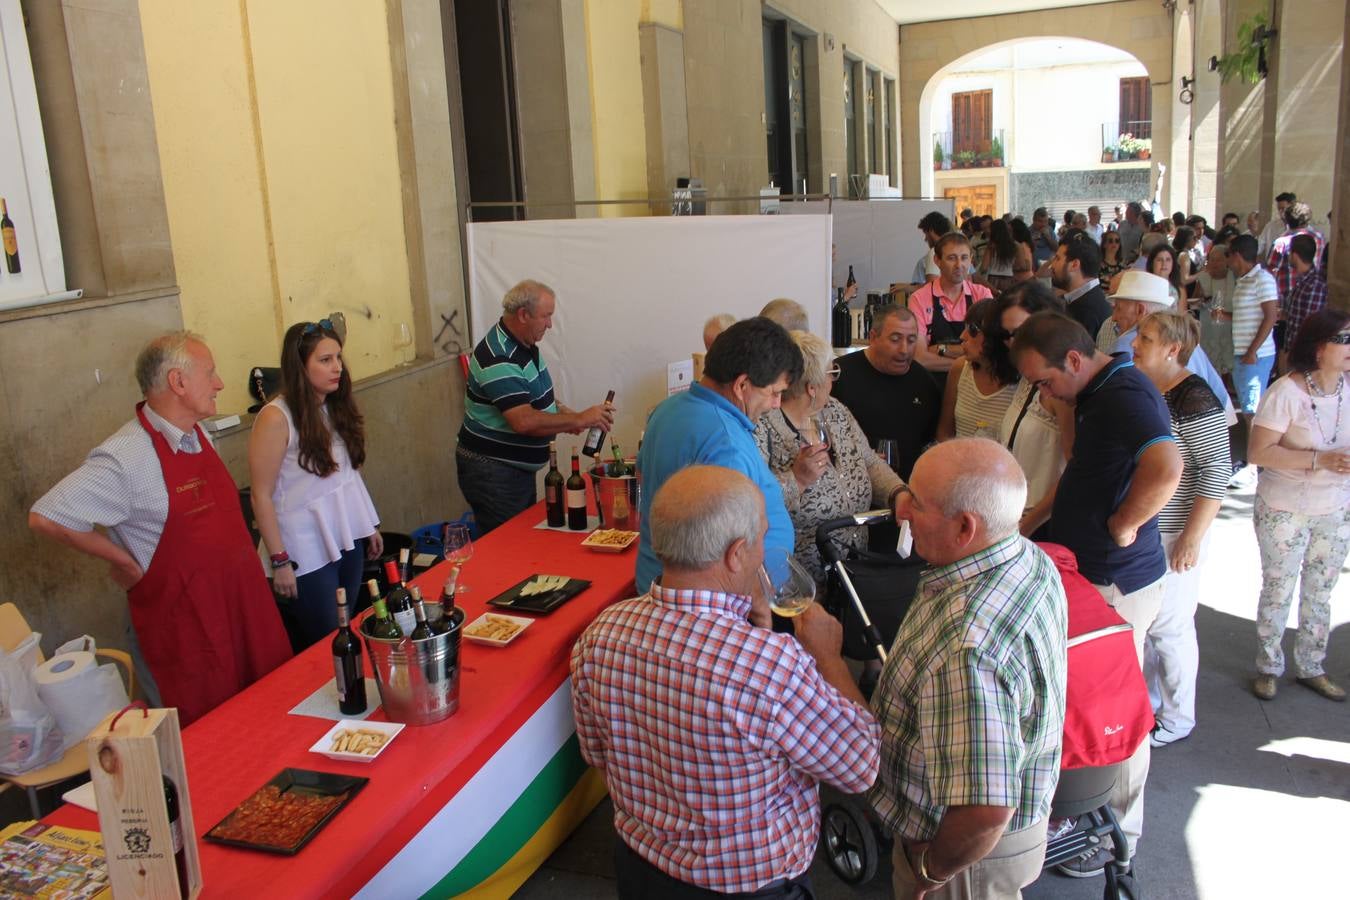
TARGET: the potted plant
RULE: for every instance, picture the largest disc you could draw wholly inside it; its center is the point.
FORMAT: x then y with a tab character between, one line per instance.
1109	153
965	159
937	155
996	151
1145	148
1129	146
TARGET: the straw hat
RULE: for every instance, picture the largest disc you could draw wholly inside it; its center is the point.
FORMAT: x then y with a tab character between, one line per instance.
1143	287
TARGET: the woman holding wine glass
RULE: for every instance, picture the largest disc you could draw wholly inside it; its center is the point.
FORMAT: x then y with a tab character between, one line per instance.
305	454
821	457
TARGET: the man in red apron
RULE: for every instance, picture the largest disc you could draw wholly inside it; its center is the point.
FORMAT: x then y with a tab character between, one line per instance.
200	606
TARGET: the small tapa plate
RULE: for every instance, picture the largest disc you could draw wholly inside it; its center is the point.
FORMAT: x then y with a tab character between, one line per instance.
355	732
610	540
495	629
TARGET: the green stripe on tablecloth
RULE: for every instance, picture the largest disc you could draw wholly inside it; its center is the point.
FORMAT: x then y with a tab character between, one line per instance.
518	824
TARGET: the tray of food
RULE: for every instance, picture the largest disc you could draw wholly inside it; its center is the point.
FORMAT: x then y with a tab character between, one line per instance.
495	629
610	540
357	741
539	593
285	813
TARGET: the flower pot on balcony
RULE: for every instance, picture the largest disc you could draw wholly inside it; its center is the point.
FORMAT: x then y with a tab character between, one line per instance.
1108	156
1145	154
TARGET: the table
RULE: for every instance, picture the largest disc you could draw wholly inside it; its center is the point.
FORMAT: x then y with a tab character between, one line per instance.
473	804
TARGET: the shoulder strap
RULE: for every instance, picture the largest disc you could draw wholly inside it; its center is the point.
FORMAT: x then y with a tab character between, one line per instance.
1012	435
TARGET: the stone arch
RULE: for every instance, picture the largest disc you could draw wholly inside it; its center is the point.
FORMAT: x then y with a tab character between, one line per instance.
928	50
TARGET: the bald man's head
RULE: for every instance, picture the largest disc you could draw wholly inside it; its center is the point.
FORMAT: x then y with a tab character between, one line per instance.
965	495
700	512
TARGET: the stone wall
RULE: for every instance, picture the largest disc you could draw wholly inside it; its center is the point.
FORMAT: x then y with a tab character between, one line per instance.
1104	187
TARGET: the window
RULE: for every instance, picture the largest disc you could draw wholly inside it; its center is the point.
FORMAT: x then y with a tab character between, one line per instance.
872	80
851	148
888	127
785	105
972	121
1136	107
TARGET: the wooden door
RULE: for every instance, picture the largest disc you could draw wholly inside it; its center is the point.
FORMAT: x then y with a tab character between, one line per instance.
979	197
972	121
1136	107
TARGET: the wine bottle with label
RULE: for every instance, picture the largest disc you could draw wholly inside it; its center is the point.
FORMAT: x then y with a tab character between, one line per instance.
554	502
398	600
841	322
351	682
442	625
596	436
380	624
10	239
176	835
422	630
576	496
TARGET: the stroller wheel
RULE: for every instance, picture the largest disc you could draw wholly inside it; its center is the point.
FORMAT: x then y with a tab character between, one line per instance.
849	843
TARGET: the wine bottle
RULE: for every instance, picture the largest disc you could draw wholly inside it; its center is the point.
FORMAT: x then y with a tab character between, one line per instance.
10	239
398	600
553	490
841	322
576	496
176	835
447	604
403	570
351	682
596	436
616	468
433	609
851	280
379	623
422	630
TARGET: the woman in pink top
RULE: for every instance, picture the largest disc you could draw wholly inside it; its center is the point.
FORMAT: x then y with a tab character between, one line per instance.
1301	439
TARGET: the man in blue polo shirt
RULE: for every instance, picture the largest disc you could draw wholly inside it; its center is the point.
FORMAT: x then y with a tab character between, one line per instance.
744	375
1125	467
509	410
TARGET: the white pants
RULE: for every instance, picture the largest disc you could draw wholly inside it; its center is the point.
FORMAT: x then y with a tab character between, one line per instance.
1171	653
1139	608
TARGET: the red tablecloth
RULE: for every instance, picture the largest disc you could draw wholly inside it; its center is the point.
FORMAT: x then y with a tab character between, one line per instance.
236	748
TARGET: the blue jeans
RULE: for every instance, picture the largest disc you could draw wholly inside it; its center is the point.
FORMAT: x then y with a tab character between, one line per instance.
496	491
1250	381
315	601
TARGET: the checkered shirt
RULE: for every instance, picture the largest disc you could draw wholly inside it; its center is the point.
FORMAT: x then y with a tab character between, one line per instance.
971	700
712	734
120	487
1308	295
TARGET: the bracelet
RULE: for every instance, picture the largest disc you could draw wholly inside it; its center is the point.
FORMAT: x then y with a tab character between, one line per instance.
280	559
921	869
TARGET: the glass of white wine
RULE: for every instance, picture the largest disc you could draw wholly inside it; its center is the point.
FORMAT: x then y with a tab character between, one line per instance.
786	584
458	546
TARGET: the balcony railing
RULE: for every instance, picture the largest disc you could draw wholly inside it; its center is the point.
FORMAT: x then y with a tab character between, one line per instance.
970	152
1122	144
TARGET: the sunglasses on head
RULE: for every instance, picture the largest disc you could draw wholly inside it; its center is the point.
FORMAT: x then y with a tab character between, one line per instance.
321	325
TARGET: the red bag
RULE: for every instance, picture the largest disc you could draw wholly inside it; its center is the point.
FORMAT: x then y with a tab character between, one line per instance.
1107	712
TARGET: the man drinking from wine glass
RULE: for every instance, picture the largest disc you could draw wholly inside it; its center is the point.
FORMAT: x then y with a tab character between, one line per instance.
203	613
711	729
510	412
971	700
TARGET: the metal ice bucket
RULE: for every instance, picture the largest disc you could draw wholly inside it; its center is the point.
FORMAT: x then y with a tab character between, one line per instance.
418	680
617	499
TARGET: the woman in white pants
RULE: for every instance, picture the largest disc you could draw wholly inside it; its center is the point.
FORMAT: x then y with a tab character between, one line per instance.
1171	655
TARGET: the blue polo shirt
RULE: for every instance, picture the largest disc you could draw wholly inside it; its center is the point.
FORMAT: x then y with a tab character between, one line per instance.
504	374
701	427
1118	416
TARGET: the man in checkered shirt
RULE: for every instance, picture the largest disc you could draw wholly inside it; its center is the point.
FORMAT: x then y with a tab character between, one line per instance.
712	729
971	700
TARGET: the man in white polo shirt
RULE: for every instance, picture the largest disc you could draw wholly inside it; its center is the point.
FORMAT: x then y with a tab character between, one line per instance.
1256	300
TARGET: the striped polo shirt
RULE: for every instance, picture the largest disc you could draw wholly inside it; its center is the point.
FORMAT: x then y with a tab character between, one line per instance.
1253	289
504	374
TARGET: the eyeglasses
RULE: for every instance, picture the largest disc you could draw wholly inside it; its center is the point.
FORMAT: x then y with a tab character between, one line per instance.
1342	338
973	329
321	325
833	373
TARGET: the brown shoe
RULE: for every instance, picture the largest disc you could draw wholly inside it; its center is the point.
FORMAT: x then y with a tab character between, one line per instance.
1263	686
1324	686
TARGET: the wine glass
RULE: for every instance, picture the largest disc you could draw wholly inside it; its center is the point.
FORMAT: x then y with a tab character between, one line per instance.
785	583
458	546
821	434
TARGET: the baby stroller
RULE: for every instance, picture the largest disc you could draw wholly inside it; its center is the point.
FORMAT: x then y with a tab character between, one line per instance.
1108	712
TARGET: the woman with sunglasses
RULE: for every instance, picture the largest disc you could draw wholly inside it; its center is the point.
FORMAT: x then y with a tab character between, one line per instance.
996	264
312	507
981	383
1112	263
821	457
1301	440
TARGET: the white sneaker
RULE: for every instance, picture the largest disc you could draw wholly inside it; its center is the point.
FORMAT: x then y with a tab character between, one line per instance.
1161	737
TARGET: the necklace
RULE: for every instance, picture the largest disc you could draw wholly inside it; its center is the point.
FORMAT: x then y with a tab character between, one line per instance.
1315	391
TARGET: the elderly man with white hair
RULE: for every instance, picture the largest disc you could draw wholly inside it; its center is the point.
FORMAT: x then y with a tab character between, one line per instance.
971	701
174	536
712	730
510	412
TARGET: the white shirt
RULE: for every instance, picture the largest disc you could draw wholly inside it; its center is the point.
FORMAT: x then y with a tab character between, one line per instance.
120	486
1096	231
1252	289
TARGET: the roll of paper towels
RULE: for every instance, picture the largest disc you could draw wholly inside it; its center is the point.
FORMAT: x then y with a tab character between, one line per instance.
79	692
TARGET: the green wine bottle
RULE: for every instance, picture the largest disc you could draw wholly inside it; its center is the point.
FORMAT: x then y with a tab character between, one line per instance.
617	468
380	624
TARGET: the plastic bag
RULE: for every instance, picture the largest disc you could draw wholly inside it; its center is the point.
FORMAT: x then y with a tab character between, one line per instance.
29	735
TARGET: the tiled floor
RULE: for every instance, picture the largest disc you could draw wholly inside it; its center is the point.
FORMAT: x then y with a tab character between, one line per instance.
1255	804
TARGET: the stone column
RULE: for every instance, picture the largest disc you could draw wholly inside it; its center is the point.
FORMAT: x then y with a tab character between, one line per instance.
1340	222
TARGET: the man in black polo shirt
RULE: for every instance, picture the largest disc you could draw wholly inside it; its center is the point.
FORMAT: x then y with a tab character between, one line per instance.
1074	269
890	394
1124	469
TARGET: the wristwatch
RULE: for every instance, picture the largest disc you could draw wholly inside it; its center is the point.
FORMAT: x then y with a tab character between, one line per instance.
942	350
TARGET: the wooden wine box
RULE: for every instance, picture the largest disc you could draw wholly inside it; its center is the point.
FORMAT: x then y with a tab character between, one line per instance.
130	753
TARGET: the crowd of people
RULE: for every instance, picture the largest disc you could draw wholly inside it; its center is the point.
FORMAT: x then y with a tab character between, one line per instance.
1095	385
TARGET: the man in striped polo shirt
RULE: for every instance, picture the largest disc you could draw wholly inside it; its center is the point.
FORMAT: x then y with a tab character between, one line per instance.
1256	302
510	413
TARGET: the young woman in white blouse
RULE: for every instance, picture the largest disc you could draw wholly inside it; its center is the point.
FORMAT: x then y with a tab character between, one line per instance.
1301	440
312	507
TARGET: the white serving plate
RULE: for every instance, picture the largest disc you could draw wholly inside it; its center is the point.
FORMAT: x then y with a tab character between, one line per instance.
493	642
324	745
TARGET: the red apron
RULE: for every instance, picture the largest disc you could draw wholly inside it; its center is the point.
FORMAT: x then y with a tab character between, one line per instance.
203	613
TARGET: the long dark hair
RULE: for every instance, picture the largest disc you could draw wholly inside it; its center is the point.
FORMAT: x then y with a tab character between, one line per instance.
984	315
1020	231
1175	277
316	441
1001	240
